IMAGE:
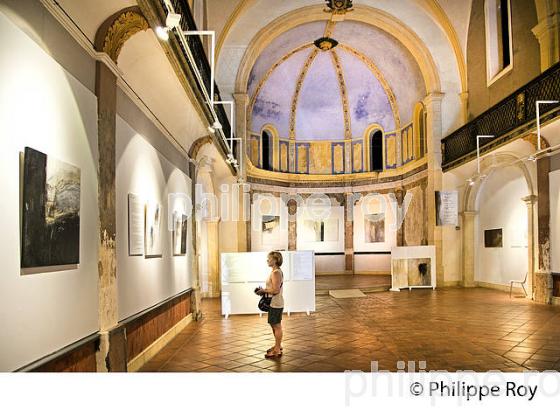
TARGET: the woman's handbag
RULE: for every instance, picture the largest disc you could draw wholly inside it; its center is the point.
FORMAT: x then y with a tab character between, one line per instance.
264	303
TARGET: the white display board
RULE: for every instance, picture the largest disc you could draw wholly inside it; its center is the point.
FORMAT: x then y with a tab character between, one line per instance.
400	280
242	272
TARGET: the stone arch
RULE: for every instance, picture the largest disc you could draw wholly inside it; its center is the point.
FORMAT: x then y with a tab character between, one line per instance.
470	212
117	29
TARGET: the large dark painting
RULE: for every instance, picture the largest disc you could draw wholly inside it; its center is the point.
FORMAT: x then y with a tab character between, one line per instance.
493	238
50	212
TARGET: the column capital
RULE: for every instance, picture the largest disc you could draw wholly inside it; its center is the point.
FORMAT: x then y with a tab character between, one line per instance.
433	97
530	199
241	98
545	25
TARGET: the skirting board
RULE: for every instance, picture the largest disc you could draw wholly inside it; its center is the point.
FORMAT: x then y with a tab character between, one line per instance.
504	288
373	272
140	360
451	283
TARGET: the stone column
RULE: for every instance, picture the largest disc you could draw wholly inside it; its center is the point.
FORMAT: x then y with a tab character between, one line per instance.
241	104
292	225
469	247
349	233
432	103
530	201
464	107
196	297
214	285
399	195
106	92
543	282
547	32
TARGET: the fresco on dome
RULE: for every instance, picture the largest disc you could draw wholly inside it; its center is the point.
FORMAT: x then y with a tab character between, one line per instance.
367	99
273	104
319	114
394	61
306	33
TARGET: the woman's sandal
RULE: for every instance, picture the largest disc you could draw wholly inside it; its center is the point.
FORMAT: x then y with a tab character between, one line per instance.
270	355
272	348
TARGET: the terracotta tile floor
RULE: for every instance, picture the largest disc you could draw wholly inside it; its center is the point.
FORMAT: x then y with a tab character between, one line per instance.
451	329
329	282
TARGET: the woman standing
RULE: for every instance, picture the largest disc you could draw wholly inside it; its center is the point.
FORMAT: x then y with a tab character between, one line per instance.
274	287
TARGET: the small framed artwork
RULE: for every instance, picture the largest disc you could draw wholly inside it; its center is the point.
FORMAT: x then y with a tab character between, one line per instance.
180	235
493	238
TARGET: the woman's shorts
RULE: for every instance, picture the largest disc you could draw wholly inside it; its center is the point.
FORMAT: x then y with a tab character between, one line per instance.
275	315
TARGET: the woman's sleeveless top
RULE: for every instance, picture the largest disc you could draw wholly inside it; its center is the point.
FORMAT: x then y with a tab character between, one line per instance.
278	299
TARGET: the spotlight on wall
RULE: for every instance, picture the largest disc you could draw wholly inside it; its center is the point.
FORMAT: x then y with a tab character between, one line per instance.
470	181
532	158
162	33
214	127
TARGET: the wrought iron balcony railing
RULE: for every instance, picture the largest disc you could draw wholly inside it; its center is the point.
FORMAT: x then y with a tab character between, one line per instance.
511	117
201	61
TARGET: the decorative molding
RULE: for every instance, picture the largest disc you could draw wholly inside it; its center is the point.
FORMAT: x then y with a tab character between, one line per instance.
297	91
343	95
123	27
197	145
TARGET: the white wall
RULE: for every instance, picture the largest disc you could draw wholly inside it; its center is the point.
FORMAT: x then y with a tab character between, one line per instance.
144	282
268	204
43	107
501	206
555	220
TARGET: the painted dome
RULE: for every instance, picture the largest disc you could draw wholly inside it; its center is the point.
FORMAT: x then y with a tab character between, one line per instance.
326	81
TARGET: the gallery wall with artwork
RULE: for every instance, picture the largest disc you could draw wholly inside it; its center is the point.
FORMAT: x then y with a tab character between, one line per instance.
269	223
49	212
153	212
502	253
321	230
554	182
375	233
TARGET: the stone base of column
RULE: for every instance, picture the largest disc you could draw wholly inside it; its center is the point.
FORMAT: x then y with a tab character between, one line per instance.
349	263
543	287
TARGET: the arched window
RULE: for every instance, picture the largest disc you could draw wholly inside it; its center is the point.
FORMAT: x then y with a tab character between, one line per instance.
419	131
266	142
376	150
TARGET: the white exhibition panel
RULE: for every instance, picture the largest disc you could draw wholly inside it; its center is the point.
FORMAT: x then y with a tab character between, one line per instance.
242	272
268	204
554	182
374	204
333	216
141	170
44	107
414	252
501	205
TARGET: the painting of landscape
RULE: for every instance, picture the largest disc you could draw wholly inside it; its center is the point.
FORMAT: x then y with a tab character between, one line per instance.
50	211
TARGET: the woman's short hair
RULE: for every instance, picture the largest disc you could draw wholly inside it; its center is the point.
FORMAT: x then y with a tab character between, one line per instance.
277	256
